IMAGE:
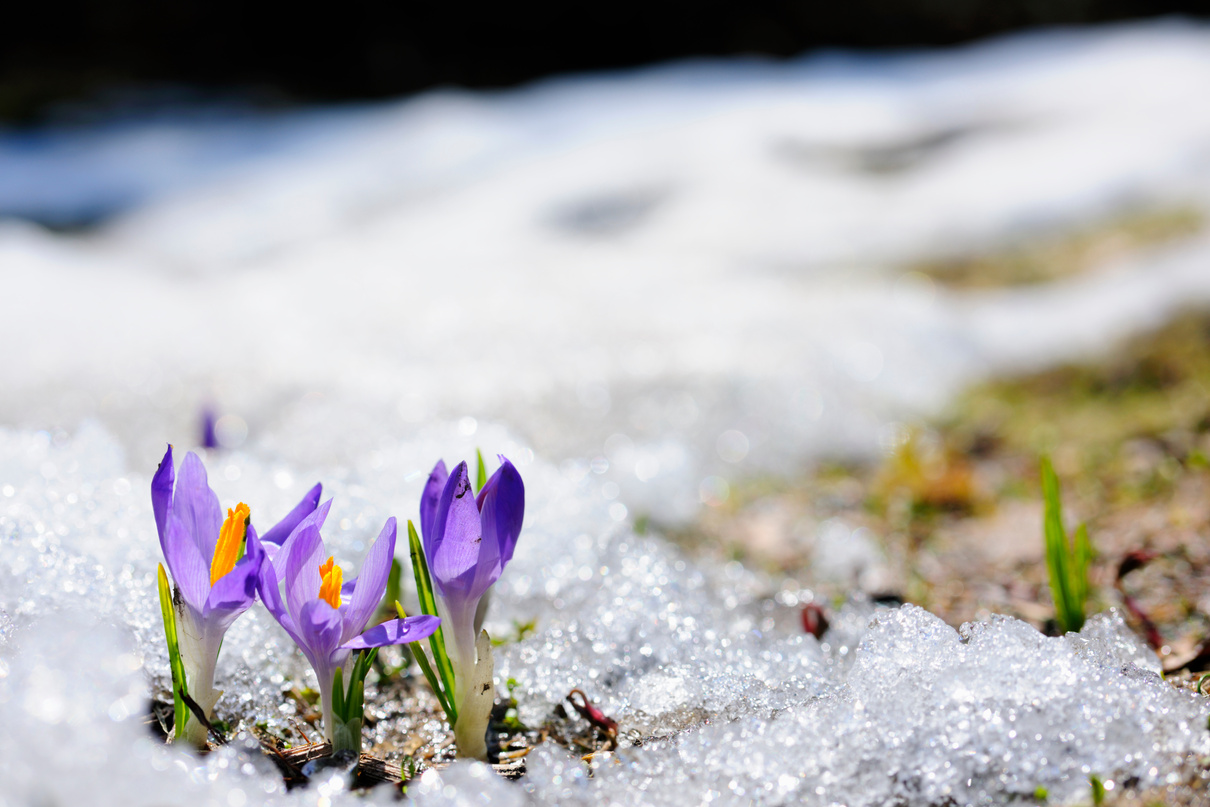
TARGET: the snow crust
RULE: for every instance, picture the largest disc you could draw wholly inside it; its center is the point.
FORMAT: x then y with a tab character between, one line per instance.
705	666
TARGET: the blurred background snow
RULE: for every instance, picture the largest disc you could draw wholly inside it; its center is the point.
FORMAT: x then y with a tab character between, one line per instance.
681	273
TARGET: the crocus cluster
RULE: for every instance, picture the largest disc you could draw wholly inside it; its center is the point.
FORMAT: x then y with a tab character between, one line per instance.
219	566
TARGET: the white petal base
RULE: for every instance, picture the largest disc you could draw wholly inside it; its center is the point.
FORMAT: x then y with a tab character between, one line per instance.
475	707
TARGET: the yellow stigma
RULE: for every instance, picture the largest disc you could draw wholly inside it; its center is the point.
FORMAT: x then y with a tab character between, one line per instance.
329	586
230	541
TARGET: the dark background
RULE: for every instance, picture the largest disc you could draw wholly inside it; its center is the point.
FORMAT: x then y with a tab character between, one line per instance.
356	49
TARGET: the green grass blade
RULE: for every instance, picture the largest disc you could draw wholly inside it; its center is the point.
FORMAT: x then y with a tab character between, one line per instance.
427	668
429	675
1066	561
482	471
180	712
420	570
428	605
387	607
1083	559
1056	547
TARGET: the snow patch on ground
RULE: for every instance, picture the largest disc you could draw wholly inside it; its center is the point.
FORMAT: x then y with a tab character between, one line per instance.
731	699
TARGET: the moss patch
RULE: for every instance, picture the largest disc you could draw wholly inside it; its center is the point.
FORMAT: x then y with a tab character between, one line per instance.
1048	258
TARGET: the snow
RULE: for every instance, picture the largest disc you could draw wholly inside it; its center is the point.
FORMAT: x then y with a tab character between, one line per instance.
639	287
729	698
667	255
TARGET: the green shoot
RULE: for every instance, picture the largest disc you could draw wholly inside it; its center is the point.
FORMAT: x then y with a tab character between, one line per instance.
428	605
1067	559
386	609
1098	789
482	471
427	668
338	694
349	704
179	688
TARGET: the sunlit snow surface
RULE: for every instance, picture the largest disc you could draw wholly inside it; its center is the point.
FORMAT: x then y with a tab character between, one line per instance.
656	281
735	702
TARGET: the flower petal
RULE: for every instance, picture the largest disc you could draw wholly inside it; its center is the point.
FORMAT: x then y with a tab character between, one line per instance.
315	519
457	535
502	511
189	569
195	504
429	500
395	631
279	532
319	627
372	582
161	493
235	591
302	568
269	588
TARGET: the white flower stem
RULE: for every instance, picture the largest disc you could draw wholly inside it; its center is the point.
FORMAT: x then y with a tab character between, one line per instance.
343	736
477	695
199	657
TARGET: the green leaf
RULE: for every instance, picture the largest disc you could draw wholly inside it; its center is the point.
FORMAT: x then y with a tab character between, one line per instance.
420	570
1066	561
425	667
428	605
443	697
175	665
1083	559
482	471
361	667
1098	789
386	608
1056	544
356	703
338	695
348	704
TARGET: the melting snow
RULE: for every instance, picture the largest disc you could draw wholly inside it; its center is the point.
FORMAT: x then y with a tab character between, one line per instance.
732	700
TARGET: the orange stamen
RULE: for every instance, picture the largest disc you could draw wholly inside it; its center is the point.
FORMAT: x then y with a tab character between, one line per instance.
329	587
230	541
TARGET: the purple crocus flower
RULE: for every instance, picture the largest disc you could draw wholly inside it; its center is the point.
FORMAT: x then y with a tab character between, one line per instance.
209	435
215	578
468	540
326	618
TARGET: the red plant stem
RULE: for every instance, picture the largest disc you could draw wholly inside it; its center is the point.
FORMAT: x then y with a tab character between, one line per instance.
592	714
